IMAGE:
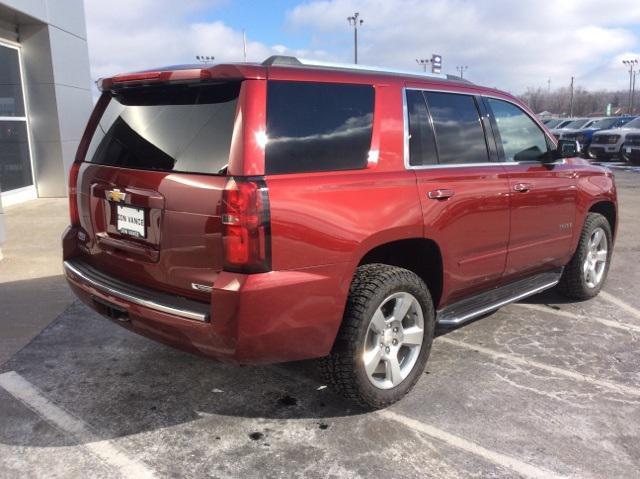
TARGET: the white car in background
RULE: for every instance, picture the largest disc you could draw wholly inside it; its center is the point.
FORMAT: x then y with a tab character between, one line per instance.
609	143
632	148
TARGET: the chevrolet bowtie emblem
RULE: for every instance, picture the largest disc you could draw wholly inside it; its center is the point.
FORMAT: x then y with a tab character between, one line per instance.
115	195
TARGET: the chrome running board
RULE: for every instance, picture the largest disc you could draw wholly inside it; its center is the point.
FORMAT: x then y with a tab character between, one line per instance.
467	309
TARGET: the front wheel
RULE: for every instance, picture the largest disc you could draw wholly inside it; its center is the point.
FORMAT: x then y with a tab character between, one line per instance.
585	274
385	337
624	156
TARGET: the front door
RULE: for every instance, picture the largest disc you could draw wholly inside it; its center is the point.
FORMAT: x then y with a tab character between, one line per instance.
543	193
463	193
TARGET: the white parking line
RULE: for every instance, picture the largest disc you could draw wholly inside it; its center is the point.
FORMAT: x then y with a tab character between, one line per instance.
567	314
526	470
24	391
621	304
619	388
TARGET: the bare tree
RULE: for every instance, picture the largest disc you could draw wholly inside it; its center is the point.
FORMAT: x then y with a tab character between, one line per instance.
585	102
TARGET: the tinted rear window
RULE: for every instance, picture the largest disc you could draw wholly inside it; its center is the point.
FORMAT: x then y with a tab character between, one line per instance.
182	128
317	126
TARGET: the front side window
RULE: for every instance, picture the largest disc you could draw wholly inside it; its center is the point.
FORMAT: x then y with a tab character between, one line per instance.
521	138
317	126
459	132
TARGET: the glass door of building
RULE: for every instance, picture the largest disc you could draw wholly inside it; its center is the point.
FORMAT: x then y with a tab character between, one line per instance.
16	177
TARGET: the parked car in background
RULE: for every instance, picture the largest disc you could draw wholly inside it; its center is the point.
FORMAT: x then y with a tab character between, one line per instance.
584	135
260	213
575	124
632	148
607	144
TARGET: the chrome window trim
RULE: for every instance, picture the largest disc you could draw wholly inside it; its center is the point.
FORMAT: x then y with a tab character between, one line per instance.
103	288
406	155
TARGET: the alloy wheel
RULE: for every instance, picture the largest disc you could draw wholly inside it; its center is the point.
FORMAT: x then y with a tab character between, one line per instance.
595	262
393	340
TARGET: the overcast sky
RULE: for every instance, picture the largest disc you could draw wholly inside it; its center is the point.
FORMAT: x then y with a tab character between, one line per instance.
510	44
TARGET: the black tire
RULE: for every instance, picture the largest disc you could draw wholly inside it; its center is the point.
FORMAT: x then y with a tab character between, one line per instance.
623	155
573	284
344	369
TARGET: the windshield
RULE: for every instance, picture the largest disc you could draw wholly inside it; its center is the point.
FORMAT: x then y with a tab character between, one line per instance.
182	128
577	124
633	124
604	124
563	124
552	123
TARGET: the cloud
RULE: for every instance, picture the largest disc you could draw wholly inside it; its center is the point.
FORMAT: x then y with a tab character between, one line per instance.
507	44
130	35
511	45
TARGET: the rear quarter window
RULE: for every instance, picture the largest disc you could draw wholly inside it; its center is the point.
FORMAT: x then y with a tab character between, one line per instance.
317	126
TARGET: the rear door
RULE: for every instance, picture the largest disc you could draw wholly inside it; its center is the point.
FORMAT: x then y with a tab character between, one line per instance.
463	191
543	194
151	185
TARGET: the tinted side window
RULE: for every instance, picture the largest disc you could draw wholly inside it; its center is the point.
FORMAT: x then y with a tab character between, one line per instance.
317	126
458	127
521	138
422	145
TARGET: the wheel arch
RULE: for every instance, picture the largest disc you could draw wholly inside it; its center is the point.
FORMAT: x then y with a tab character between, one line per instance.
607	208
420	255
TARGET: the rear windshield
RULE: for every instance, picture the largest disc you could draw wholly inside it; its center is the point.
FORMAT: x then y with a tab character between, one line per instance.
182	128
317	126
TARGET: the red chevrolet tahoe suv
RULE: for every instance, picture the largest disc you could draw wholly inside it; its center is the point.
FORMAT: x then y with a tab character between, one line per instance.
289	210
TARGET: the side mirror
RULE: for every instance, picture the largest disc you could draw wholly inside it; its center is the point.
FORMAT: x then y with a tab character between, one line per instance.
567	149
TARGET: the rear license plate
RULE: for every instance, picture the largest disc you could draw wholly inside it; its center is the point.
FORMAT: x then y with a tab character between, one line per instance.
131	221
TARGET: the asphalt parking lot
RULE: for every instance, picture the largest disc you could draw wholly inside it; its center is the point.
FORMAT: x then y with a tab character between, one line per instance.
543	388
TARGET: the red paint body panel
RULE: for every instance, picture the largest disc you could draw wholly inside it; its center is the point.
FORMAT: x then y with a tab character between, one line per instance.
321	224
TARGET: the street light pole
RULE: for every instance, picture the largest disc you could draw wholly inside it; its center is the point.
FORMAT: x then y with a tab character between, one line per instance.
354	21
633	92
424	62
631	64
462	69
571	100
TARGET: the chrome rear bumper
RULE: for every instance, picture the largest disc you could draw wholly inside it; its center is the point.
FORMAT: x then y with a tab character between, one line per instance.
89	278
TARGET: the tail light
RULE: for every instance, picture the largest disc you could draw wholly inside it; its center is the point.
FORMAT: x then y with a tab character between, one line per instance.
73	193
246	231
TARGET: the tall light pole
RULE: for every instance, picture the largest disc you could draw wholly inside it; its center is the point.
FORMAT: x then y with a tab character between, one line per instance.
424	62
355	21
462	69
571	99
633	91
631	64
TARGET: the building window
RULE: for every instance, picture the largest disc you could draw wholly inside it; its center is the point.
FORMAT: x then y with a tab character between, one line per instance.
15	159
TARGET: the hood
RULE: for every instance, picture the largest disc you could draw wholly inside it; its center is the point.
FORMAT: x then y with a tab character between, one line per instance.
619	131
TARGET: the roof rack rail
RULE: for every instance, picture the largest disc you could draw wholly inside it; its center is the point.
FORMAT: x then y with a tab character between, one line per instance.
285	60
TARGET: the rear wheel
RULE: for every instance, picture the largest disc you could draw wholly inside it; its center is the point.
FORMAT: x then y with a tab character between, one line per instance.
585	274
385	337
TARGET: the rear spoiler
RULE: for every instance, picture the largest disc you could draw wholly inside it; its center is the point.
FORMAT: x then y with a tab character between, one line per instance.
182	74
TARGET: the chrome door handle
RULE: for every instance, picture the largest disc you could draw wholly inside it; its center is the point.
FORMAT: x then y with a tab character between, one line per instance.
440	194
522	187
